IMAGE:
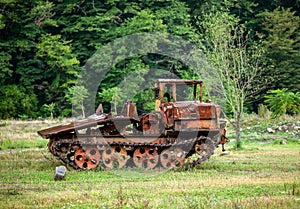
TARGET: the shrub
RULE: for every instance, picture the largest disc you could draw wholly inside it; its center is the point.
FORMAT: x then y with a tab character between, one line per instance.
282	102
16	101
263	111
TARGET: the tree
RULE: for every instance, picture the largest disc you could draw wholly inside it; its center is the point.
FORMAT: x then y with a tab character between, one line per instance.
112	95
281	40
76	95
43	44
126	84
15	102
60	68
60	61
235	64
162	17
22	26
50	108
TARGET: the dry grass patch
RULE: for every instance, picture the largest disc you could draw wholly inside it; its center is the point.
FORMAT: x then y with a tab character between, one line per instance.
19	134
22	129
289	202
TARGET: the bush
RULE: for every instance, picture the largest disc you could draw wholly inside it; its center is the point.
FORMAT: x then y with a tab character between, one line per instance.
282	102
16	102
263	111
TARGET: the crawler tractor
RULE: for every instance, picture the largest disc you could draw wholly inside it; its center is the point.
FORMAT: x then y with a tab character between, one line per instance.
181	126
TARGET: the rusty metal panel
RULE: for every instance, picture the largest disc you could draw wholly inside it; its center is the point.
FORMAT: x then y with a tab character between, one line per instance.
194	125
194	110
79	124
89	122
150	124
179	81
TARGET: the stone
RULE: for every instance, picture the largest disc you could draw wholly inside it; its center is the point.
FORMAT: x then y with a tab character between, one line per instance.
297	127
60	173
282	142
270	130
224	153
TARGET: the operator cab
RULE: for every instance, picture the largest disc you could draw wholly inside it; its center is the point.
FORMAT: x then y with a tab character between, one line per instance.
177	90
180	104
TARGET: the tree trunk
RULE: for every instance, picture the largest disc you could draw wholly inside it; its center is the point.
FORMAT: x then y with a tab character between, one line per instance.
82	109
238	131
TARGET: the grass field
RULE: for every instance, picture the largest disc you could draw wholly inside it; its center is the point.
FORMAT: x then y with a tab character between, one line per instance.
263	174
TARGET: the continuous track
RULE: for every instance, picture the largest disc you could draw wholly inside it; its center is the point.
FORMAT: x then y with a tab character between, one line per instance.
85	154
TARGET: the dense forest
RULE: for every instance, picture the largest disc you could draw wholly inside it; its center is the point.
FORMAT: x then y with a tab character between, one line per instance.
46	45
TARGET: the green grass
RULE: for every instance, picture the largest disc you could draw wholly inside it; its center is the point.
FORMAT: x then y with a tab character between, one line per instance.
263	174
264	177
22	144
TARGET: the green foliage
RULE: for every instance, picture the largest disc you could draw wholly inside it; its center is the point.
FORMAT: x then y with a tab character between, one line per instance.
2	24
42	13
126	83
113	96
40	74
281	39
239	145
15	102
5	66
282	101
52	48
76	95
3	124
45	44
50	108
235	62
263	111
59	58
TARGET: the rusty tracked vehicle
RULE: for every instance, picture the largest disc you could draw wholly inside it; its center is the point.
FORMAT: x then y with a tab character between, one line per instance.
182	125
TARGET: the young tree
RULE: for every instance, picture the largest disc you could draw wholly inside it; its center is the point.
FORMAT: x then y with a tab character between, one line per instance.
235	64
130	81
76	95
50	108
112	95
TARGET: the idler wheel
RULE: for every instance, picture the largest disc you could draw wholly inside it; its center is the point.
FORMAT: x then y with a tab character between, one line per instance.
204	149
114	157
87	158
172	158
145	157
